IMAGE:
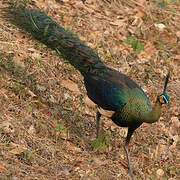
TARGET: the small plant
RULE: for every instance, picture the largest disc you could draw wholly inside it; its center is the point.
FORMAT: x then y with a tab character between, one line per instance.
59	127
135	44
29	108
28	155
6	172
162	4
57	130
152	177
101	142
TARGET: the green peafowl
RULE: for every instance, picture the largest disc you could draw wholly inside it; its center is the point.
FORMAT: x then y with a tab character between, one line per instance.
108	88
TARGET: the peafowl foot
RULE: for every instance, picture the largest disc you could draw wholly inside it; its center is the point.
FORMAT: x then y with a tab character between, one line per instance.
128	160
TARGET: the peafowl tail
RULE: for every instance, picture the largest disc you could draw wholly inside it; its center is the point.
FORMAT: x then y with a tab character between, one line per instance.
66	44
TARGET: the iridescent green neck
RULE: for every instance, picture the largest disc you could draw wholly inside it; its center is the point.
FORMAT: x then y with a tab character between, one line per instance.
154	115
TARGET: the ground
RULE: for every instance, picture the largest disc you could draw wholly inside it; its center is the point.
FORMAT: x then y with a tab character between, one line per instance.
47	123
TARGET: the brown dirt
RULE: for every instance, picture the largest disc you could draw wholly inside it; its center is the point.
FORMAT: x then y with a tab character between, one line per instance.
46	128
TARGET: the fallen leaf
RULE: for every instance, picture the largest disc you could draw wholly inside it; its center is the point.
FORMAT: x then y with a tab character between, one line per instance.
72	147
177	57
178	34
31	93
88	102
159	172
17	149
40	88
69	2
148	52
88	8
175	126
123	163
176	139
36	55
79	5
141	2
52	99
105	112
140	13
118	22
31	130
99	162
7	127
40	134
129	11
167	37
67	18
17	60
31	49
38	168
160	27
43	105
78	163
71	86
142	156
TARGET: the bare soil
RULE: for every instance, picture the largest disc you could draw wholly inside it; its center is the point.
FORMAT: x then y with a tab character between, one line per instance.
47	123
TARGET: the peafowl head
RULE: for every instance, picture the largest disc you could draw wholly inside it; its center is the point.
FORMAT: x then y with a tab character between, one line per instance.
164	98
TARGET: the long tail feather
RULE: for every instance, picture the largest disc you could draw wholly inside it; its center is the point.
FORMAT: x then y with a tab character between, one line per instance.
66	44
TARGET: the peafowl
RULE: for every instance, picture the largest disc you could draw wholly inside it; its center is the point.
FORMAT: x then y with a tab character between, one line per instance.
108	88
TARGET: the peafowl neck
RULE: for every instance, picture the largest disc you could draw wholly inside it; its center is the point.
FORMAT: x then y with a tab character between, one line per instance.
154	115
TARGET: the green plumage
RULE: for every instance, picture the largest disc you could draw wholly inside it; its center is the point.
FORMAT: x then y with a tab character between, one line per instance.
67	44
108	88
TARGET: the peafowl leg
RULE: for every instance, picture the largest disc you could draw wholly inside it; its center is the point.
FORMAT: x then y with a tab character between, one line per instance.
128	160
98	115
126	148
131	129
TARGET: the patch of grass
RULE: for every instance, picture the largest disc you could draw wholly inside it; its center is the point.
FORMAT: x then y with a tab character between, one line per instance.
6	173
6	61
28	155
152	177
57	130
135	44
101	142
144	149
162	4
149	74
